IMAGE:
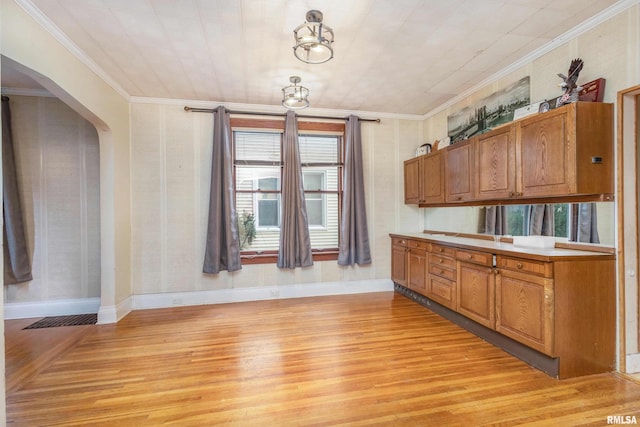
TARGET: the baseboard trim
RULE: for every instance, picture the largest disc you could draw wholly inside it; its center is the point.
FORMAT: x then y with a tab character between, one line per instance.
113	313
633	363
221	296
64	307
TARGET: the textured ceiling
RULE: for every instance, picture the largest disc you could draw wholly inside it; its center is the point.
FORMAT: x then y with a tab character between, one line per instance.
397	56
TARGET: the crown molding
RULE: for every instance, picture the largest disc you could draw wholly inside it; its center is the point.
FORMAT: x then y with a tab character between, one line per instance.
19	91
576	31
275	109
35	13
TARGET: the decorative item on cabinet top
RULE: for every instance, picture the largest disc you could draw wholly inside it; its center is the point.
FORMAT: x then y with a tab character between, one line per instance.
423	149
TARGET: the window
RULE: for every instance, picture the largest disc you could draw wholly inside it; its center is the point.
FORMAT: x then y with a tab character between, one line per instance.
516	221
258	167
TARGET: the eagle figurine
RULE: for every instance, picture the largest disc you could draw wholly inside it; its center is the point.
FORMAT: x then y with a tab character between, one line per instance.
571	89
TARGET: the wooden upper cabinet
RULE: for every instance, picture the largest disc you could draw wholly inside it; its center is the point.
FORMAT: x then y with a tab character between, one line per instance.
459	172
567	151
424	179
495	161
432	178
412	181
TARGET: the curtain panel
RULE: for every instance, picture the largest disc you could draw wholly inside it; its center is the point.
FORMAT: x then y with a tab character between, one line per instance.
583	224
354	234
222	251
295	243
538	220
495	221
17	265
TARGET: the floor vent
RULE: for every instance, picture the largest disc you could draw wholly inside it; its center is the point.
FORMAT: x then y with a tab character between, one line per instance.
74	320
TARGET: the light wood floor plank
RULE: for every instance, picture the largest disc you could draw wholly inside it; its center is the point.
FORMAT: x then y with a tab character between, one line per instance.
372	359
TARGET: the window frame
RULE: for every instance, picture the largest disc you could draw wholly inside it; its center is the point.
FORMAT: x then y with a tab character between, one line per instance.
304	128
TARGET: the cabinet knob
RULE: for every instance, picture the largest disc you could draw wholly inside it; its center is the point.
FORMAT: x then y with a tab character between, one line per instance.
512	194
469	256
440	250
441	271
441	260
519	265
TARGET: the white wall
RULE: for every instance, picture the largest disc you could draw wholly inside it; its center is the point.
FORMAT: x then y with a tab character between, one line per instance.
171	158
58	168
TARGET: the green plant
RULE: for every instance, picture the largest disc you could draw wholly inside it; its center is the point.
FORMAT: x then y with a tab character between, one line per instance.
246	229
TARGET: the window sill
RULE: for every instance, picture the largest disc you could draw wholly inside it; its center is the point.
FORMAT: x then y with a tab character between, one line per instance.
271	257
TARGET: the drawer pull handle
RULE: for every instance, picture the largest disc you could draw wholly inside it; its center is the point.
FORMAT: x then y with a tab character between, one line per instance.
519	266
441	260
441	271
440	250
470	256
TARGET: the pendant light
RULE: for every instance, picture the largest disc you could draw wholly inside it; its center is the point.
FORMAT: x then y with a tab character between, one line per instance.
313	40
295	97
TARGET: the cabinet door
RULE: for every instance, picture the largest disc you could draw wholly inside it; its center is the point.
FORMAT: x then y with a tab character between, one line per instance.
476	298
495	160
459	172
417	262
412	181
442	291
548	165
399	264
432	178
524	306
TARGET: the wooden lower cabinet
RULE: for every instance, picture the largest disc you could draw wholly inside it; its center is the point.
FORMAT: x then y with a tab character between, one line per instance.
560	303
524	305
417	266
476	290
442	276
399	261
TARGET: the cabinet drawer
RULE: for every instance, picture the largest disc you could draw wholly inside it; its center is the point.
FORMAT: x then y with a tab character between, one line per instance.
417	244
442	261
443	250
538	268
447	273
482	258
443	291
397	241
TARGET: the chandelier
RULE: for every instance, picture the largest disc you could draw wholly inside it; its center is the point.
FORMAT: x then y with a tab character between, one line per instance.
313	40
294	97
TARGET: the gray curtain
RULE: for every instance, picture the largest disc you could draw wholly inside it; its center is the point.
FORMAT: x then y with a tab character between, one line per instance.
354	235
495	221
583	224
222	250
295	244
538	220
17	265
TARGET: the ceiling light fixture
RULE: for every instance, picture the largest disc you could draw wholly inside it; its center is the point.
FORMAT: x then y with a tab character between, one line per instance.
313	40
294	97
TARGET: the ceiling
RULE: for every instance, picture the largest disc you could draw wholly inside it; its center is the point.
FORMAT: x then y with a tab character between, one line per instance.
395	56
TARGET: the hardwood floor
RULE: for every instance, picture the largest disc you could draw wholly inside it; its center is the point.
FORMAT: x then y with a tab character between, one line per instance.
371	359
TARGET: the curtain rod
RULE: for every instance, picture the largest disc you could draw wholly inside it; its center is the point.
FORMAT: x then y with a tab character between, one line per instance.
209	110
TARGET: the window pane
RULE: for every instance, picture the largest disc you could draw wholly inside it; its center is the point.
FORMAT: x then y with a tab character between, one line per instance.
329	178
318	148
263	146
313	181
323	235
252	177
315	209
268	212
268	184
